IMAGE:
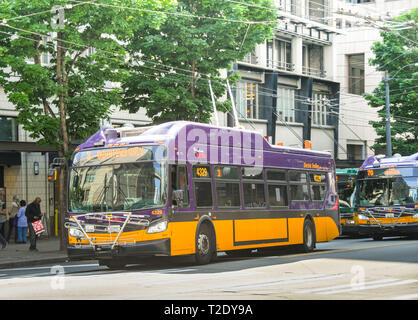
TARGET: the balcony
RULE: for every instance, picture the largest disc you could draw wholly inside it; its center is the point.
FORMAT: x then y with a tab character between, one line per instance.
251	58
280	65
314	72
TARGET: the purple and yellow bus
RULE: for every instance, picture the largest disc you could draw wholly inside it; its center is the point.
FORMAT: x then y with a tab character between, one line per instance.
387	197
183	188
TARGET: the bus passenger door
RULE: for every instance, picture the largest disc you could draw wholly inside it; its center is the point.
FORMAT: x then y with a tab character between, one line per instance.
179	182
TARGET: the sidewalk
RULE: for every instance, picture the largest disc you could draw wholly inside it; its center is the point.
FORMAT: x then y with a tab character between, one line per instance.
18	255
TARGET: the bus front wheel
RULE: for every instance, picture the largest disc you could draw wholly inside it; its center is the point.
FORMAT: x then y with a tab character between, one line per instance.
309	238
205	245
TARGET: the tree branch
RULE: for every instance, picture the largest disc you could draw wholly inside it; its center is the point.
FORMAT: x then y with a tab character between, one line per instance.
37	59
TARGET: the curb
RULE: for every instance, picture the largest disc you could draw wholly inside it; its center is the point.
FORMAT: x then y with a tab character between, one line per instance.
30	263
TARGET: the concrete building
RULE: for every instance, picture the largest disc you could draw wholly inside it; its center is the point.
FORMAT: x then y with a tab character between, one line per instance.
289	89
356	76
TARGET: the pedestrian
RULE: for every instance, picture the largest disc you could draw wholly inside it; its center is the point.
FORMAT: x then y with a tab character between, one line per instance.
33	213
3	242
22	223
14	208
3	217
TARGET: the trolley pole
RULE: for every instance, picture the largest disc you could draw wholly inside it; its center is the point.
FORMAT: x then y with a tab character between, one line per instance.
388	131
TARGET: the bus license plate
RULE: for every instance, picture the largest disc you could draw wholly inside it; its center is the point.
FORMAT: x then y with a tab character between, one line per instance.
390	215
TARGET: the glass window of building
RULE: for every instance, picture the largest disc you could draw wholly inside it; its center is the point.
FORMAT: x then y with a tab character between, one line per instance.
8	129
284	55
247	100
356	74
286	104
320	108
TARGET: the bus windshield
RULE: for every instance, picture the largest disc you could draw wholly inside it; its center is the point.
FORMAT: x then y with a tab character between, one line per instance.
346	189
388	191
118	187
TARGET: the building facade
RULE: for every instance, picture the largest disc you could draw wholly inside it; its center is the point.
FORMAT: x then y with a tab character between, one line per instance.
288	89
354	73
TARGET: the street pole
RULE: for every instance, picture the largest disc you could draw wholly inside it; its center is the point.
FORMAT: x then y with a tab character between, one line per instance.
388	133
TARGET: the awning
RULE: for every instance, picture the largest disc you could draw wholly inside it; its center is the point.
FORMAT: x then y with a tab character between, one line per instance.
10	158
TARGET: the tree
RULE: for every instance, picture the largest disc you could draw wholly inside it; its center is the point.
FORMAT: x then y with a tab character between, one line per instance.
397	54
170	66
61	101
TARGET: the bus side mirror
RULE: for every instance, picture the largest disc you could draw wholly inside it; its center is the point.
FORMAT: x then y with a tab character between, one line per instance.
178	197
52	174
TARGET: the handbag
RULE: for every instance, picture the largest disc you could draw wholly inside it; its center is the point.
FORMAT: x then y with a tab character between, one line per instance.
38	227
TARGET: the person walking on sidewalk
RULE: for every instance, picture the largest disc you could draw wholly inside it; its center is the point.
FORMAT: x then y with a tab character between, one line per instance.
33	213
3	242
12	215
3	217
22	223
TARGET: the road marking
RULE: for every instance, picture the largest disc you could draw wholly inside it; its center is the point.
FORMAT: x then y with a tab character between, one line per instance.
330	251
407	297
170	270
293	280
65	266
360	288
317	290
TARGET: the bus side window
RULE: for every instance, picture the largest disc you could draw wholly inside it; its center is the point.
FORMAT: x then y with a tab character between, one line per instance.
277	188
202	181
227	186
298	186
253	187
179	182
318	185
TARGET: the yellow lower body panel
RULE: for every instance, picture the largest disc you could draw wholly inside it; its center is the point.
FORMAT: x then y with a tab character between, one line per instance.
230	234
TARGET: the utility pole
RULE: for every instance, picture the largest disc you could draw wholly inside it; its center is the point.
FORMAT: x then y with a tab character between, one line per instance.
387	107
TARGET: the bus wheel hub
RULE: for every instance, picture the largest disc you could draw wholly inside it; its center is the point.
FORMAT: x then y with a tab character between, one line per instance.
203	244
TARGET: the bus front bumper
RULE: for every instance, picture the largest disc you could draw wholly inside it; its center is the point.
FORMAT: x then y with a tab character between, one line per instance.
397	229
146	248
350	229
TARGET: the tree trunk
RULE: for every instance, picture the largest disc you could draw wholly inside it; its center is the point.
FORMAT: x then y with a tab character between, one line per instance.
63	152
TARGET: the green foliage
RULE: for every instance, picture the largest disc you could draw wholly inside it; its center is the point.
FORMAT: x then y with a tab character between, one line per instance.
170	76
88	90
397	53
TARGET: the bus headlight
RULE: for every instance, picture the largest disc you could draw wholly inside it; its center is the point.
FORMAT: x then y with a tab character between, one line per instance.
363	217
76	233
415	216
159	226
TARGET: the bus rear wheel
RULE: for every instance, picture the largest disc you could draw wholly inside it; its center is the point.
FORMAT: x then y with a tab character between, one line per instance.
309	238
205	245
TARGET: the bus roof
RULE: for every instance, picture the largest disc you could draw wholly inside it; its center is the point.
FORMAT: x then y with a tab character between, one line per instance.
206	144
169	131
397	160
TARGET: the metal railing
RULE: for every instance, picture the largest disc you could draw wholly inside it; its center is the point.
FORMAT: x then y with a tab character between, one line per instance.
280	65
314	72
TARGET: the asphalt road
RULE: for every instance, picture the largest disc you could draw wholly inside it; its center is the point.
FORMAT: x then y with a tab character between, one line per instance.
359	269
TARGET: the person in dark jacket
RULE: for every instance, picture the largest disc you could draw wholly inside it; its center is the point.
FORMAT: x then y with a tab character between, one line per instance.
33	213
